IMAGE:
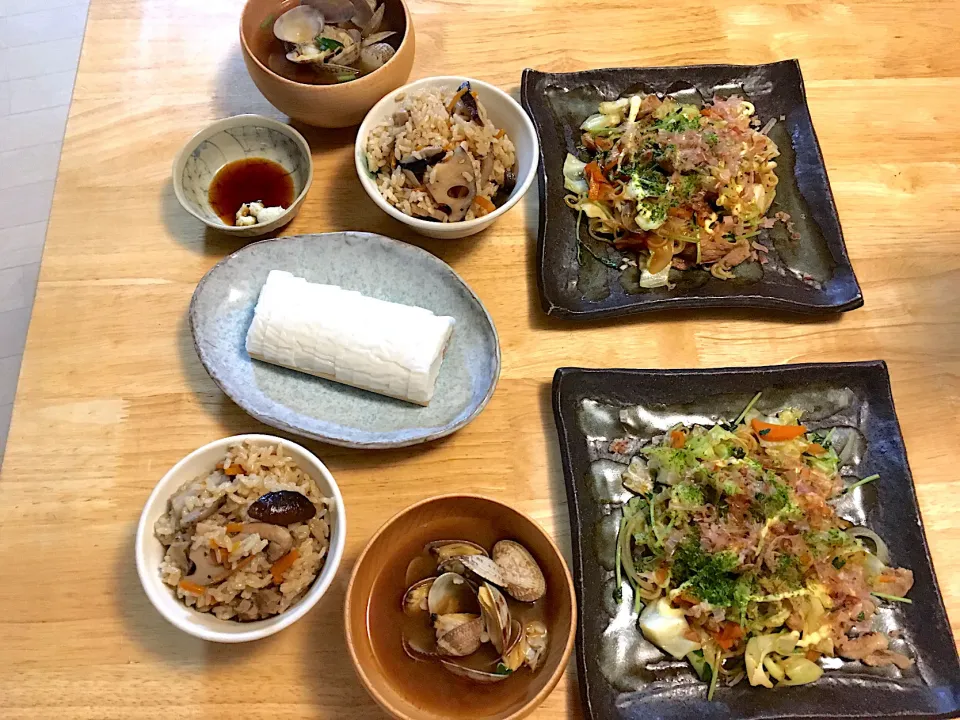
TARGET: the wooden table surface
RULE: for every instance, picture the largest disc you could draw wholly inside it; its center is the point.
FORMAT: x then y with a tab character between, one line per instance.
111	393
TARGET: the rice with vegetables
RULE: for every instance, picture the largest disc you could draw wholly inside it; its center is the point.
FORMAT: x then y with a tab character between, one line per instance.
247	540
440	157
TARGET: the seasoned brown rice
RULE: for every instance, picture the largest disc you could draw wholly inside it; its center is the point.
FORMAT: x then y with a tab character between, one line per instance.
420	120
203	522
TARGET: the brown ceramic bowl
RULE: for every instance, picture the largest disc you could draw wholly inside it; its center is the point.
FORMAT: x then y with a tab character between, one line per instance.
329	106
414	690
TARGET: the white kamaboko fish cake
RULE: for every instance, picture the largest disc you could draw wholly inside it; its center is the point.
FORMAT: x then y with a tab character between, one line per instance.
345	336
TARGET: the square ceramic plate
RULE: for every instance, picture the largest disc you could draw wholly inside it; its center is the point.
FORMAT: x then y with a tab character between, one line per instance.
812	275
624	676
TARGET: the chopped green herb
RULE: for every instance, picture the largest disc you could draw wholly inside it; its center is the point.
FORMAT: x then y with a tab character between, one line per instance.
765	431
268	21
861	616
838	562
893	598
328	44
502	670
711	138
851	488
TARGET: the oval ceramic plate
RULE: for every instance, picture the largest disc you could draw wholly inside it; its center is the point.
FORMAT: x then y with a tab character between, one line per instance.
222	309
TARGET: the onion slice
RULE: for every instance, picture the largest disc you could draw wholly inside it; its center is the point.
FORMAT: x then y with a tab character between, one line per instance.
882	553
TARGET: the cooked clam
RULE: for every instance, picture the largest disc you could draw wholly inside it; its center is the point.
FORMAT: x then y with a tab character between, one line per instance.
415	599
496	616
414	651
339	39
374	23
299	25
524	579
463	613
375	56
516	649
475	565
535	637
333	11
458	634
446	549
478	676
451	593
377	38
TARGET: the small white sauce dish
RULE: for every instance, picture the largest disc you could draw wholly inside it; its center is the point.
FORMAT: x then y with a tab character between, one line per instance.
237	138
150	552
504	112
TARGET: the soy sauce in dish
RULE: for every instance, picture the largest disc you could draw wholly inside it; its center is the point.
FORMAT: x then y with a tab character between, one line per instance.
249	180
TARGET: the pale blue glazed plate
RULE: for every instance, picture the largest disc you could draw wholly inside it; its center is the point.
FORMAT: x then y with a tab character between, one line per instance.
222	308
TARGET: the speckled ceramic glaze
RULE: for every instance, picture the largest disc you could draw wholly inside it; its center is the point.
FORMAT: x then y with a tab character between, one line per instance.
622	675
222	309
236	138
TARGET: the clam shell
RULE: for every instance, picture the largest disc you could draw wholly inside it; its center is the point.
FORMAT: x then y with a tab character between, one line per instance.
496	616
477	676
478	565
415	598
523	578
331	69
374	23
377	37
375	57
515	650
446	549
300	24
334	11
458	635
417	653
451	593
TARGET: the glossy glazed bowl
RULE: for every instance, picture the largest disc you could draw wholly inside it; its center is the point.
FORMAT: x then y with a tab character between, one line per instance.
329	106
150	552
504	112
380	573
236	138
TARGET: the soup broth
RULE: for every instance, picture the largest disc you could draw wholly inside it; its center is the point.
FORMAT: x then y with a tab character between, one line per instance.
435	688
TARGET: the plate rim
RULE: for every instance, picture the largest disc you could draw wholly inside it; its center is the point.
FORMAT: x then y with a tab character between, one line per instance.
554	307
560	388
214	373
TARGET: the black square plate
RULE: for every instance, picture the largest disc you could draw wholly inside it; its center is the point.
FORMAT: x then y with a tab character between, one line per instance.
624	676
811	275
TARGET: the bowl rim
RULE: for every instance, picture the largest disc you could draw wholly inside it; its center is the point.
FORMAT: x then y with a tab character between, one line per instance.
348	610
160	594
369	185
408	18
251	120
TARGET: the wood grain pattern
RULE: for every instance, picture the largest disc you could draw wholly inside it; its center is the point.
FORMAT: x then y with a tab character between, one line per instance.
112	394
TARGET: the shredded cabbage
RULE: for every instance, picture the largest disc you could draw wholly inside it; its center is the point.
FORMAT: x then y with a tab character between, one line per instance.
598	122
573	178
654	280
637	477
665	626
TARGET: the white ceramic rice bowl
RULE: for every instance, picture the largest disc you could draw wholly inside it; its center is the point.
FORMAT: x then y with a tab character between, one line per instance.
503	110
150	552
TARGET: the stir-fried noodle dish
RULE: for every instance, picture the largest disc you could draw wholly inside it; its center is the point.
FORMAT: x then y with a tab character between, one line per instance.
732	545
674	185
